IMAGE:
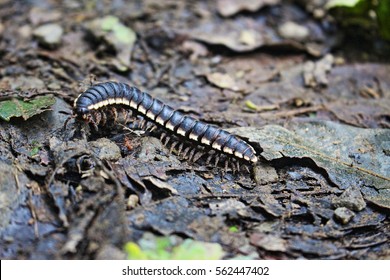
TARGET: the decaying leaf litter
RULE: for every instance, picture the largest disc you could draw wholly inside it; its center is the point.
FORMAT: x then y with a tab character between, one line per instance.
321	190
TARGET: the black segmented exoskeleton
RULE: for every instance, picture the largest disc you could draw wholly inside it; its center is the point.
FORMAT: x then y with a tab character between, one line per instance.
154	110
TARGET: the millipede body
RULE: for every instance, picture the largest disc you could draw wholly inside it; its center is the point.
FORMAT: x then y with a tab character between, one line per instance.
154	110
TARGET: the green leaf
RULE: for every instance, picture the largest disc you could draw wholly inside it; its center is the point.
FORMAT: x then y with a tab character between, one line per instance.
116	35
233	229
134	252
36	146
351	13
342	3
122	33
359	13
251	105
383	14
34	151
25	109
164	248
197	250
109	22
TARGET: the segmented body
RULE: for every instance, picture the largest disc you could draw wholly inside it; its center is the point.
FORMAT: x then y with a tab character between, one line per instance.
154	110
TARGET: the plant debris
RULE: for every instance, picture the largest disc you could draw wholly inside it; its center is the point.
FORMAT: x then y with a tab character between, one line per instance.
25	109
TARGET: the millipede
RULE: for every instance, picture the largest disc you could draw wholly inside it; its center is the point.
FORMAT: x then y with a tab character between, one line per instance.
162	115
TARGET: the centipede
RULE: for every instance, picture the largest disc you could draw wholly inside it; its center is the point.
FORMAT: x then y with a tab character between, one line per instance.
161	115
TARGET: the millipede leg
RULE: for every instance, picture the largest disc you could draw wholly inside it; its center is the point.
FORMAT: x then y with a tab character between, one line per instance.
123	111
174	144
97	117
66	121
217	157
180	148
209	159
233	166
197	156
192	152
162	136
186	152
136	124
95	126
142	124
152	128
114	113
127	115
165	143
147	126
104	118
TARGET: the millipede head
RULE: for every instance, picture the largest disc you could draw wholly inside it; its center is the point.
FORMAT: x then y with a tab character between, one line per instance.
81	112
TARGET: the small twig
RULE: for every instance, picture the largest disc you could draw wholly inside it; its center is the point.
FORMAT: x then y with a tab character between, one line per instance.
146	50
292	113
33	214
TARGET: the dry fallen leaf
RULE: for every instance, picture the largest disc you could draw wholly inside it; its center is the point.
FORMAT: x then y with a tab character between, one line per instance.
231	7
223	81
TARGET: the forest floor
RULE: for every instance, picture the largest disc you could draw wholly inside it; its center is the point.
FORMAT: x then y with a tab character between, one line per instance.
313	102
